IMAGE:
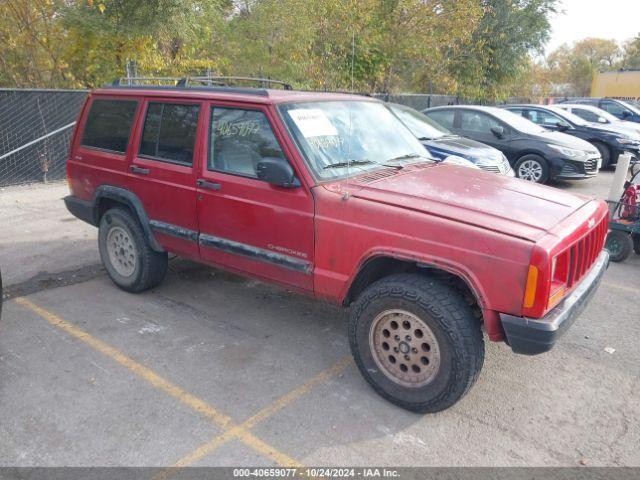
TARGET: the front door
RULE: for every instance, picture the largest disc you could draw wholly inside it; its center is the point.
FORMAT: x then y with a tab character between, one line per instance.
246	224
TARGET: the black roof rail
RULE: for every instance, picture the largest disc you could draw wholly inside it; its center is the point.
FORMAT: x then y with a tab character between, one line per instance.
176	83
209	81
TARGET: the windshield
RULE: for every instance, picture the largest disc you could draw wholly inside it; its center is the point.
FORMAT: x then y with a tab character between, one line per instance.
516	121
419	124
365	135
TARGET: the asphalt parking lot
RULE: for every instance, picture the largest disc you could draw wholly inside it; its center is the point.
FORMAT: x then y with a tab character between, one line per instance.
211	369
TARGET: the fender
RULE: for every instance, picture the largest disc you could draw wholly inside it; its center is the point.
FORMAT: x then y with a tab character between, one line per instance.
490	317
132	201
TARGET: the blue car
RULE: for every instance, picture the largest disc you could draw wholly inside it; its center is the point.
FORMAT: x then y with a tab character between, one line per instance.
444	145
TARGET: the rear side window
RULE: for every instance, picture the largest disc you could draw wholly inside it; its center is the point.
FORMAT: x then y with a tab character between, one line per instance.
109	124
170	132
443	117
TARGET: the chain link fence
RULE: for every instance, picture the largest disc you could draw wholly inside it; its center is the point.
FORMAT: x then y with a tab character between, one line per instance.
35	131
36	128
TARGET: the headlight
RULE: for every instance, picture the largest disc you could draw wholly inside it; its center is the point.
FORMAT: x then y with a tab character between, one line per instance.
569	152
463	162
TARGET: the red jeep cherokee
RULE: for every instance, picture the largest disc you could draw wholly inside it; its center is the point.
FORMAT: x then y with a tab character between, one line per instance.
330	195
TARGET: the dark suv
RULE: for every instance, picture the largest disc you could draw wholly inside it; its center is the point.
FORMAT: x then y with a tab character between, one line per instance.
536	154
332	196
610	143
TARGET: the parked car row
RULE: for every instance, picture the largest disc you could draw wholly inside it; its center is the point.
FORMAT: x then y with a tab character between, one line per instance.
533	142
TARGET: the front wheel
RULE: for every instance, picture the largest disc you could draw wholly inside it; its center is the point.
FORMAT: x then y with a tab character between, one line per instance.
532	168
416	341
619	245
126	254
605	153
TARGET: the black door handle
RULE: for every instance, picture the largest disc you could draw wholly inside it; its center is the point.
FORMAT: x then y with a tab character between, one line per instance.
208	185
141	171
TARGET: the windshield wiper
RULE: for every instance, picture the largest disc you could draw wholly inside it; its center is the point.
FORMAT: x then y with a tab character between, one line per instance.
408	156
347	164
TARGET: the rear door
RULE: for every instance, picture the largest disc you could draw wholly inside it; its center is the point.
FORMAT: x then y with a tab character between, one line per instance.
163	170
246	224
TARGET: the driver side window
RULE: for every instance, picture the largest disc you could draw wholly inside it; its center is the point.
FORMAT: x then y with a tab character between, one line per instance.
477	122
545	119
614	108
238	140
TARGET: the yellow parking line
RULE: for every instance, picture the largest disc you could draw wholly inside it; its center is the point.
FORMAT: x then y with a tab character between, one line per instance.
621	287
222	421
266	412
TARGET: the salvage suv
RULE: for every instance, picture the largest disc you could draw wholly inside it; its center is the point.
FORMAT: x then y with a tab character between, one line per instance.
330	195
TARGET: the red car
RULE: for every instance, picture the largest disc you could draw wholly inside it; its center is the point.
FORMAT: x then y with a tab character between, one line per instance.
332	196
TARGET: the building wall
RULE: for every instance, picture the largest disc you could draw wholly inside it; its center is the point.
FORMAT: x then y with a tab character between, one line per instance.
616	84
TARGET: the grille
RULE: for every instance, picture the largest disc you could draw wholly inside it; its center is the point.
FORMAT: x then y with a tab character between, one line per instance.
490	168
591	165
583	254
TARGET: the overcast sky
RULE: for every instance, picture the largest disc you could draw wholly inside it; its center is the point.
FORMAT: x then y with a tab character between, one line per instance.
615	19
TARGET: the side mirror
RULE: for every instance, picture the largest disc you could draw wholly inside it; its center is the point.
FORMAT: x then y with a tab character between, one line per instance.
563	127
277	171
498	131
626	114
602	120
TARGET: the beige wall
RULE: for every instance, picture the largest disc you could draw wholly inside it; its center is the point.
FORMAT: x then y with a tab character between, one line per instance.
616	84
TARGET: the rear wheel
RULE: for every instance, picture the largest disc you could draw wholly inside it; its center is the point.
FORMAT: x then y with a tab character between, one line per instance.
619	244
416	341
605	153
533	168
126	254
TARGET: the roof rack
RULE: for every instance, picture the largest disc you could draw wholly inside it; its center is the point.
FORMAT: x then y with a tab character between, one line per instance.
185	82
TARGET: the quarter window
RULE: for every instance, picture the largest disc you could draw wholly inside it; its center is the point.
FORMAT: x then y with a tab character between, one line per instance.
239	139
109	124
170	132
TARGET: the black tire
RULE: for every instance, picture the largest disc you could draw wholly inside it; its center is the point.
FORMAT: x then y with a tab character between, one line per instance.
148	267
605	153
619	244
532	159
450	320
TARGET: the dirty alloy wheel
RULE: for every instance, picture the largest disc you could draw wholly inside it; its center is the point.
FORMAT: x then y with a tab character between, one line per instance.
126	254
416	341
532	168
619	245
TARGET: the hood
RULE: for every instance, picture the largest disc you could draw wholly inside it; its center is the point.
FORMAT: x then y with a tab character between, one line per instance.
464	147
565	140
494	202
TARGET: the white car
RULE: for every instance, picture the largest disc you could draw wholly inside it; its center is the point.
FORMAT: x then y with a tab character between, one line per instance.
598	116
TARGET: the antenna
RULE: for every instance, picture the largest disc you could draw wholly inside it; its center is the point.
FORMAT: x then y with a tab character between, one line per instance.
353	54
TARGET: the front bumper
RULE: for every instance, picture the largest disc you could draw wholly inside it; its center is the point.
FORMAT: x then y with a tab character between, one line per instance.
531	336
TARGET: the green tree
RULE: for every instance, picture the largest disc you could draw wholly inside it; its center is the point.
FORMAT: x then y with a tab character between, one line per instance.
497	54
